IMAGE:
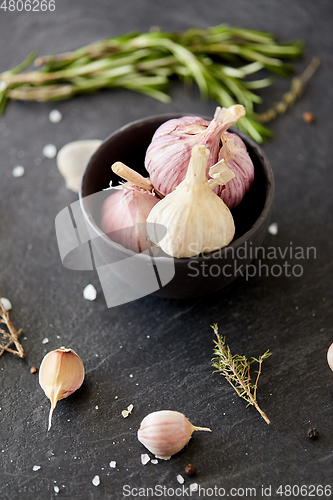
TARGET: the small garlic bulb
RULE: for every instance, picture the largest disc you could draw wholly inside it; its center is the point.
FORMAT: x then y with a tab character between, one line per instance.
124	214
60	374
169	152
196	219
72	158
166	432
330	356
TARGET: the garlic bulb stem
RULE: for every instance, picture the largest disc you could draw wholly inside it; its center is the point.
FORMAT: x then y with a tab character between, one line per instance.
131	175
196	172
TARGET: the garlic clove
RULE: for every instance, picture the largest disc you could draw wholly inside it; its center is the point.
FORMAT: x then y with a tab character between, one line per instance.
72	158
166	432
6	303
60	374
236	157
330	356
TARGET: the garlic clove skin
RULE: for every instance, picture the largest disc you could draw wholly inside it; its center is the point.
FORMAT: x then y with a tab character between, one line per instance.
236	157
166	432
330	356
124	215
72	158
196	219
60	374
169	153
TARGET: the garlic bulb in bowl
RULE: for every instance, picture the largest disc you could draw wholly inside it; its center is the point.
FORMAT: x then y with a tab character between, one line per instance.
196	219
124	213
169	152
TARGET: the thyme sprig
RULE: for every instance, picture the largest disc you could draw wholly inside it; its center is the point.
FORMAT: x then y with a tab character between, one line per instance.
221	60
11	336
236	369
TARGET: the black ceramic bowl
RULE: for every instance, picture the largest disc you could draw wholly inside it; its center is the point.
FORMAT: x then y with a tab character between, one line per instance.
191	276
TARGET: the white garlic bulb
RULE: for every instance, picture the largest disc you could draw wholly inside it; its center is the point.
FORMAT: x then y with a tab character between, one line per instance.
166	432
196	219
60	374
72	158
169	153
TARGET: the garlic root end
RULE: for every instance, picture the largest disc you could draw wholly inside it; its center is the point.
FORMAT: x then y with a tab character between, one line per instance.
50	415
195	428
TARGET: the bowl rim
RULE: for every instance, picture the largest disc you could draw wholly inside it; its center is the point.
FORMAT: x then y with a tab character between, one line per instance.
259	223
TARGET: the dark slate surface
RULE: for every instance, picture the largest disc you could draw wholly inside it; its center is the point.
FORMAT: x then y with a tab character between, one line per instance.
165	344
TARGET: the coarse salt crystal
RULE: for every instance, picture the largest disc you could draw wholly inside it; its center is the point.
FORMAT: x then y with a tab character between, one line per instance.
131	375
6	303
55	116
45	341
154	461
49	151
36	467
144	458
90	293
96	407
96	481
113	464
130	408
180	479
273	228
56	489
194	487
18	171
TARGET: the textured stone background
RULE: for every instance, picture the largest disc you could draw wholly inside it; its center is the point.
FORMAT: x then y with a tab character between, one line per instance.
171	369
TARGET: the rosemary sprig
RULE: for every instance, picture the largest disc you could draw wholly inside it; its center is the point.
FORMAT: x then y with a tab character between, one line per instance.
11	336
220	60
236	369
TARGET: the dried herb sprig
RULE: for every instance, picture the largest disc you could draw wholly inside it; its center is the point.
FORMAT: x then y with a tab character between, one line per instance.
10	337
220	60
296	90
236	369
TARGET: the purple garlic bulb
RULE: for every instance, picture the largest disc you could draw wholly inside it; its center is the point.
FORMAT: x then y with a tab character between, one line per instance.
124	214
169	153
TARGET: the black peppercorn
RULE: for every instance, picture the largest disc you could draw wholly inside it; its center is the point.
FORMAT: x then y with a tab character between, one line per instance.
313	433
190	470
